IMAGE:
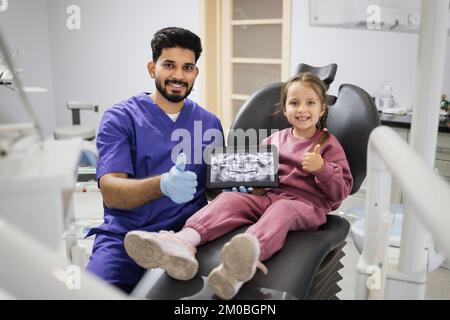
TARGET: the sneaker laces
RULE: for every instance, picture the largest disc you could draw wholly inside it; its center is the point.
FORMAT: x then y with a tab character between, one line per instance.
171	235
261	267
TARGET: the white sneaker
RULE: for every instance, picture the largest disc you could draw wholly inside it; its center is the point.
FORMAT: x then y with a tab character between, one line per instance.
162	250
240	258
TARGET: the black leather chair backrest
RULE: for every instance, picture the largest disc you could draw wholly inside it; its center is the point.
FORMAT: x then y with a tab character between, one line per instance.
326	73
260	111
351	119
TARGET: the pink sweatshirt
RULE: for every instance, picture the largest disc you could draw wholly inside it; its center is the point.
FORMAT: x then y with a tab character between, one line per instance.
325	188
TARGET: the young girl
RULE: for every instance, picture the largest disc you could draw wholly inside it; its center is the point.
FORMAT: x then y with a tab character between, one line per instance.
314	179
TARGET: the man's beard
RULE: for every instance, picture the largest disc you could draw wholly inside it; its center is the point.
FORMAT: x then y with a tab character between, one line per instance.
175	97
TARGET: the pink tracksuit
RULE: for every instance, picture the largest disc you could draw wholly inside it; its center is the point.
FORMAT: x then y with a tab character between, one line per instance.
300	203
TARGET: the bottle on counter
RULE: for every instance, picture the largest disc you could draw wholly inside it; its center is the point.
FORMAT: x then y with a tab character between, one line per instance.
386	99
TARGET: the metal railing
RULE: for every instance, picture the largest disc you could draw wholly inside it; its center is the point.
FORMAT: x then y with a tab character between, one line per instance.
428	194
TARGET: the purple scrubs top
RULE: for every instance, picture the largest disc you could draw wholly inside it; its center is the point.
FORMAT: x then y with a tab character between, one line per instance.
135	138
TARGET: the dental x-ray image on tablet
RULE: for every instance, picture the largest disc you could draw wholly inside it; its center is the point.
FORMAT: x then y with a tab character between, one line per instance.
238	166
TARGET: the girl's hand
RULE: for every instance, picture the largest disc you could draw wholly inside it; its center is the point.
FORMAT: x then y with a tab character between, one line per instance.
259	191
313	161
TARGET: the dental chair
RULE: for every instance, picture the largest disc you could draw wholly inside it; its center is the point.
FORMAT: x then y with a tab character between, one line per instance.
76	130
308	265
78	226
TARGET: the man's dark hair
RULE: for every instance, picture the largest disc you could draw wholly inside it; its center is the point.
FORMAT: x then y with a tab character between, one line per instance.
175	37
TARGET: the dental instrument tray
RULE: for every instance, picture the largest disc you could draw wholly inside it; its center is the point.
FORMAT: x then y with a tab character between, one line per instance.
250	166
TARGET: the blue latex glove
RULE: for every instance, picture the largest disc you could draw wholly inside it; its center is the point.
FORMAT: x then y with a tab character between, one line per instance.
179	185
241	189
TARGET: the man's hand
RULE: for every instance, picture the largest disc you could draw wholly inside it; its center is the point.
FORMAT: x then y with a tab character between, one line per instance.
179	185
313	161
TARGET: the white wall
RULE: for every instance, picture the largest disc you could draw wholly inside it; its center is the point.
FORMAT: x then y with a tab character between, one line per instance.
24	26
105	62
365	58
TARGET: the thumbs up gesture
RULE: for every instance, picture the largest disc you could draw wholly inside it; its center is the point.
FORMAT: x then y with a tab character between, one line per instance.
178	184
313	161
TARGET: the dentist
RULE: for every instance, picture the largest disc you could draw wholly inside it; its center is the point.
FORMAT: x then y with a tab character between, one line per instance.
144	184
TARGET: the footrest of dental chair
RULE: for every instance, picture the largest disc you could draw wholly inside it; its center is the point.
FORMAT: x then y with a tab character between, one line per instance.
306	268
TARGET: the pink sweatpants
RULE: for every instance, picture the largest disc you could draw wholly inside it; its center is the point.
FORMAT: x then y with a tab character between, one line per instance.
272	216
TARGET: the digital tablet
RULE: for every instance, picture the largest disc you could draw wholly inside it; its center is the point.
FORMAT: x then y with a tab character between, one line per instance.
251	166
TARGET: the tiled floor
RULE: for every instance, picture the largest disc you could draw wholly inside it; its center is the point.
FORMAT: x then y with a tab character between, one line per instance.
438	284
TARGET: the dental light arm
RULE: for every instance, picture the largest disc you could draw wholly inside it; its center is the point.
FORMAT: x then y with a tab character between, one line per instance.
16	81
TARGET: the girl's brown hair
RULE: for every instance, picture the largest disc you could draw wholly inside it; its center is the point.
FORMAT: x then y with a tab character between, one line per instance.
311	81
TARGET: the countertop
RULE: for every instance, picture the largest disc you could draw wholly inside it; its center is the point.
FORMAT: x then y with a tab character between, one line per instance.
404	121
